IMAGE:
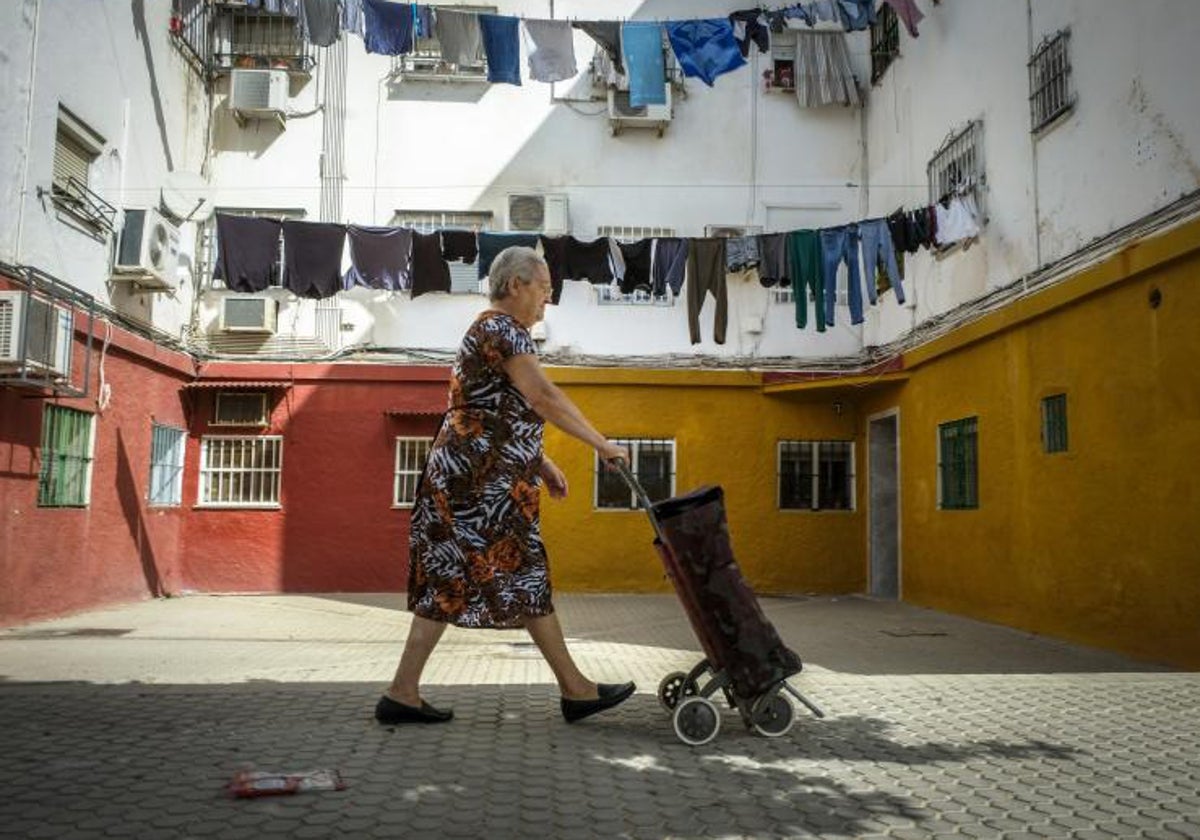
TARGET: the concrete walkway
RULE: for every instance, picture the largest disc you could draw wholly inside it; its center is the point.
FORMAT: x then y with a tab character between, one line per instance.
129	721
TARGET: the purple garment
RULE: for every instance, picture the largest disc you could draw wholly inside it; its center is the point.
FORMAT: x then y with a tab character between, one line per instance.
908	12
705	48
380	258
387	27
312	258
247	252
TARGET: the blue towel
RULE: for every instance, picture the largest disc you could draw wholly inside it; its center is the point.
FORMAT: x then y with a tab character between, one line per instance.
644	60
502	45
705	48
387	27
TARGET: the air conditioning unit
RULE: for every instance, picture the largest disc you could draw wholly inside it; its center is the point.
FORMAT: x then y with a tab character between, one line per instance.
539	212
258	93
34	331
148	251
621	114
248	314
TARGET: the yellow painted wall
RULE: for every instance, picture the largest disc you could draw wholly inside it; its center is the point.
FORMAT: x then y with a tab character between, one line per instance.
725	431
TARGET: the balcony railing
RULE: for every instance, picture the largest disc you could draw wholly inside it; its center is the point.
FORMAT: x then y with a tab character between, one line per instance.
217	36
73	196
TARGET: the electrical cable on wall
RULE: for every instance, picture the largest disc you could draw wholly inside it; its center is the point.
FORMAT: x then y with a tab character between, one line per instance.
104	392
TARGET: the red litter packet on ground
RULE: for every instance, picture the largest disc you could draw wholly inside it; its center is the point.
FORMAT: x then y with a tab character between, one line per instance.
249	783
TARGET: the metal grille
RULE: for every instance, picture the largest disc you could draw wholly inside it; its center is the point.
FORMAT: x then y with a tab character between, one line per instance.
613	296
240	471
1054	423
464	279
958	166
885	41
652	461
633	232
816	475
1050	92
66	471
958	464
411	454
237	408
248	37
166	465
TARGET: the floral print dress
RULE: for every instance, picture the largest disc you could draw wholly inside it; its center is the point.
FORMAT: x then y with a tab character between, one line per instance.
476	557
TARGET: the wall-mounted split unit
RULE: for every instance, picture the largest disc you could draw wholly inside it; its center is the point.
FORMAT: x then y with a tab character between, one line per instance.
258	94
622	115
35	336
148	251
248	314
539	213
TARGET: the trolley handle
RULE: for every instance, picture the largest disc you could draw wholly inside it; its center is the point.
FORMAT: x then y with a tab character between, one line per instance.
622	467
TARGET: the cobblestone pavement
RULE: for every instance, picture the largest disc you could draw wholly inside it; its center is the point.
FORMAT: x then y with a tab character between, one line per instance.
130	721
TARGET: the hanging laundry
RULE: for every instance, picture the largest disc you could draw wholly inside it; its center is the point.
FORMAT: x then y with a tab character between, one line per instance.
459	35
352	16
637	265
838	245
491	244
321	22
807	270
247	252
552	57
312	258
387	27
741	252
668	265
607	35
957	220
908	13
643	48
459	245
616	261
751	25
878	249
554	252
430	272
823	10
901	230
380	258
856	15
705	48
502	46
588	260
772	266
706	273
424	18
824	75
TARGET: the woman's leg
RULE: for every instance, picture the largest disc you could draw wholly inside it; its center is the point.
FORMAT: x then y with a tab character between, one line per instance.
423	636
548	636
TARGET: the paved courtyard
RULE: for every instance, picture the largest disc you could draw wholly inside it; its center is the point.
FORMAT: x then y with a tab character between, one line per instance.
130	721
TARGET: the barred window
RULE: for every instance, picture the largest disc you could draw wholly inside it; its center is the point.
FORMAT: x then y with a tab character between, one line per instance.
166	465
816	475
958	167
65	477
885	41
464	279
1054	423
633	233
1050	89
241	408
240	471
411	455
652	461
958	464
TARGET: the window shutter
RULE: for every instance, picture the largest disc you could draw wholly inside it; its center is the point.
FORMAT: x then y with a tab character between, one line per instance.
71	159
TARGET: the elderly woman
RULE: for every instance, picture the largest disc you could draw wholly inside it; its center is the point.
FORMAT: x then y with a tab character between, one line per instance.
476	552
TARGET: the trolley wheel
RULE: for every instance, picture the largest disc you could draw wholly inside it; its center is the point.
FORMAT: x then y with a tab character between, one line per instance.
696	720
673	688
773	715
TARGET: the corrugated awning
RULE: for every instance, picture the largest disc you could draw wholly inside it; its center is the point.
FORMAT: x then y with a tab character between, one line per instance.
238	384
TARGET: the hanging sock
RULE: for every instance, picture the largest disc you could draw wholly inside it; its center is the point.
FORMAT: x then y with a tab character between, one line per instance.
502	46
380	258
552	58
387	27
607	34
705	48
643	47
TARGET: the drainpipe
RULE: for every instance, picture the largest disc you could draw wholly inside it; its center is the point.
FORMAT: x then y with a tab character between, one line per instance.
1037	216
33	53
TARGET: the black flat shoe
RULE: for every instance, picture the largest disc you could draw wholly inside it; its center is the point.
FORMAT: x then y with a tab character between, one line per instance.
610	695
388	711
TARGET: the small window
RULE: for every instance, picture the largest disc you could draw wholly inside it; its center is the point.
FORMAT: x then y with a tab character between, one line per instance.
240	471
885	41
166	465
632	233
66	474
816	475
1054	423
411	454
464	279
206	244
1050	90
241	408
958	464
653	462
782	73
957	167
76	148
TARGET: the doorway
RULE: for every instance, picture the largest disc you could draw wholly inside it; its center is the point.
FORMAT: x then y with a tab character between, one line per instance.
883	482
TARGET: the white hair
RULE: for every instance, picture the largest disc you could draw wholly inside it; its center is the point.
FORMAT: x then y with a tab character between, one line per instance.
516	261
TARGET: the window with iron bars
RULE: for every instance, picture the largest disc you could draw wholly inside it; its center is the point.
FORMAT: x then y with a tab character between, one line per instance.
885	41
958	167
464	279
206	244
651	460
426	60
240	471
1054	423
246	37
166	465
68	438
1050	90
76	148
816	475
411	455
958	464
